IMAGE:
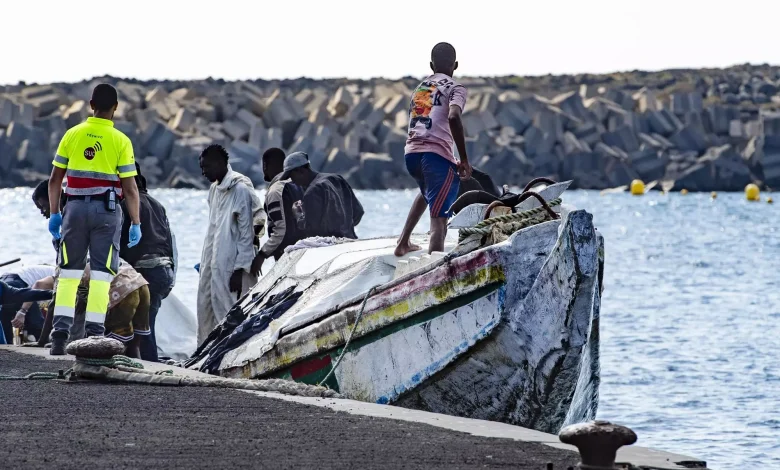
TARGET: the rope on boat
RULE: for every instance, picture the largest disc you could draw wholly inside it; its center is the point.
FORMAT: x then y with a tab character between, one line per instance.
509	223
351	333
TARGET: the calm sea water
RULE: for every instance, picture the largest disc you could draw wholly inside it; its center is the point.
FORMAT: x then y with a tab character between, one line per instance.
690	314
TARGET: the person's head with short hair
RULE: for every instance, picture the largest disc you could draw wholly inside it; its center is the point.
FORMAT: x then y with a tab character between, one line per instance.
443	59
298	169
273	163
214	162
104	101
40	197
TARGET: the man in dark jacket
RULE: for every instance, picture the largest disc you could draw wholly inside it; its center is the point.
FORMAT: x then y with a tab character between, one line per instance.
152	257
329	207
279	199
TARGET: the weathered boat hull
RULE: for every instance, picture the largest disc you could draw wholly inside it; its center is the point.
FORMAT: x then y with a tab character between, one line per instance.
508	333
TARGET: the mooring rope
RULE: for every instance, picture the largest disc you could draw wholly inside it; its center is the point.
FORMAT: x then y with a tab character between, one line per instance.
511	222
351	333
36	376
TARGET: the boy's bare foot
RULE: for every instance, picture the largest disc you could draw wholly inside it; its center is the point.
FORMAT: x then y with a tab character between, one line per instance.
405	248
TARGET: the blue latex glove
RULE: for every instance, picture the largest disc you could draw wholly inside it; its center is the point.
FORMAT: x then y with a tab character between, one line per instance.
135	235
197	267
55	224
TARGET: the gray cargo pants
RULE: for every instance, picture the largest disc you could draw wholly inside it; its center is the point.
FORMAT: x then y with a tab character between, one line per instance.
87	227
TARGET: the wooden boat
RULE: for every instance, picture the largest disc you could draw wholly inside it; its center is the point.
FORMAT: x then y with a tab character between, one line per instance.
507	331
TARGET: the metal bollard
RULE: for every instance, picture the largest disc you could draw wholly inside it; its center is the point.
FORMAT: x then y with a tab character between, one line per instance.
597	442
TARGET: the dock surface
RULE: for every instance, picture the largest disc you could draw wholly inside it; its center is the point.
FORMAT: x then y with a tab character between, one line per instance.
48	424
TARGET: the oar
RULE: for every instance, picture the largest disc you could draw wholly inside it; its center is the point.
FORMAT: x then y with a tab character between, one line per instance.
6	263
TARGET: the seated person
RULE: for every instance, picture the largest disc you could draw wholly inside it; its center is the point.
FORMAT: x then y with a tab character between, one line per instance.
14	295
329	207
128	308
15	314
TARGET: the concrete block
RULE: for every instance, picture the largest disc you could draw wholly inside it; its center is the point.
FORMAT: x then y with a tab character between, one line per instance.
589	132
248	118
752	129
770	122
320	116
375	168
204	110
623	137
76	113
36	91
236	129
619	172
305	96
681	103
45	104
183	120
660	124
181	95
257	135
24	114
242	156
621	98
133	94
646	100
357	112
321	140
395	104
402	120
648	164
301	144
571	144
537	142
690	138
512	115
319	101
273	138
736	129
165	108
571	103
374	118
185	154
339	161
157	140
341	102
8	109
156	95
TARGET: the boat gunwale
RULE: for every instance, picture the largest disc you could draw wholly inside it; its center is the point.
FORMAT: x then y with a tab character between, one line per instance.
470	263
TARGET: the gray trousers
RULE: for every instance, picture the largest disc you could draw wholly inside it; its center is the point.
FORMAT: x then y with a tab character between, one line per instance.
87	227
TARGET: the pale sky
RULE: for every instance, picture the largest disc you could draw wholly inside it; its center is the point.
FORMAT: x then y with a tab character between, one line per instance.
70	40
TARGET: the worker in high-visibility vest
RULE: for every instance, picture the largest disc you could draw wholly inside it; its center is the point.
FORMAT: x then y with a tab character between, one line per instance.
99	163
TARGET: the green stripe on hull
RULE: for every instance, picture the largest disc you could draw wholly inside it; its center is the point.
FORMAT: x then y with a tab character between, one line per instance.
315	377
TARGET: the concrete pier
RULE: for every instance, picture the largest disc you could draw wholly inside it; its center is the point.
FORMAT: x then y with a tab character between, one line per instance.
49	425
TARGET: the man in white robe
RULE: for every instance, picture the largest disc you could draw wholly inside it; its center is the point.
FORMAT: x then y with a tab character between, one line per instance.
229	248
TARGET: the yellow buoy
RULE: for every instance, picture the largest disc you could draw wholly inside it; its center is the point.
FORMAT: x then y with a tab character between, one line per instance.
752	193
637	187
769	200
683	191
714	195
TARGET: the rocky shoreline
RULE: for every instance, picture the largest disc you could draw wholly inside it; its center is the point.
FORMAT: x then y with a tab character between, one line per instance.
700	130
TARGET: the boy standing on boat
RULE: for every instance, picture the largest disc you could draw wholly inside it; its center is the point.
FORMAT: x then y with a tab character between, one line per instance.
435	127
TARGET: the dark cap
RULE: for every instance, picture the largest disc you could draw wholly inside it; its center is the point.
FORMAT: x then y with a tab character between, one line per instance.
293	161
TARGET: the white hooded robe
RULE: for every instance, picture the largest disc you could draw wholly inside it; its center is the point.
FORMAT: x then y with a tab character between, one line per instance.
234	210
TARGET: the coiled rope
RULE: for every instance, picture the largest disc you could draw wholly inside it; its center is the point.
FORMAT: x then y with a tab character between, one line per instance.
510	222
